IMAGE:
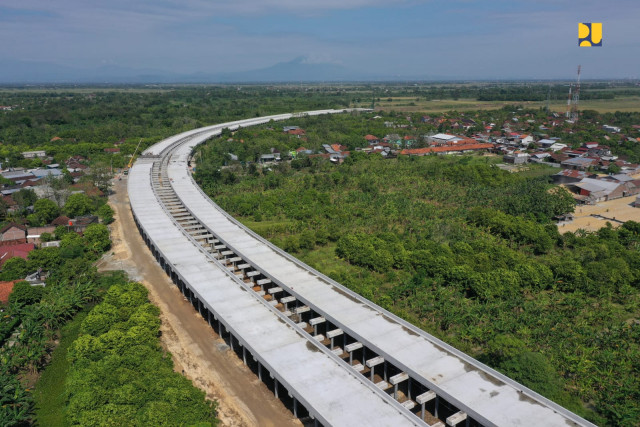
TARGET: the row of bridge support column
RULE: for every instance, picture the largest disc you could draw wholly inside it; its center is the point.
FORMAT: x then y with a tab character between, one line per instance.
424	403
363	360
234	343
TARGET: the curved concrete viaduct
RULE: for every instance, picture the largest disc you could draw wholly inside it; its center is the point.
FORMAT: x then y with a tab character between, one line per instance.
332	356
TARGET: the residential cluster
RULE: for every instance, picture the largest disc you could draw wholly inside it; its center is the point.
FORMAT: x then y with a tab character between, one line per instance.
38	179
590	171
17	240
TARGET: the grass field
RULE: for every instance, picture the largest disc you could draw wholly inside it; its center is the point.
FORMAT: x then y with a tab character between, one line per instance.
409	104
48	394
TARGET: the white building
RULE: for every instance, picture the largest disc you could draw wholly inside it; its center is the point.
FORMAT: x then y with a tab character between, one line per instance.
34	154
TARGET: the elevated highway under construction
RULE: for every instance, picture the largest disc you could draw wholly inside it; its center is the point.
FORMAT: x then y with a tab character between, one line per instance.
333	357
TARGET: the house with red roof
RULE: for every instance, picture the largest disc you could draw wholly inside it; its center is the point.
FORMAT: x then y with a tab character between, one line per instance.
302	150
87	188
372	139
61	220
5	290
20	250
12	206
297	132
446	149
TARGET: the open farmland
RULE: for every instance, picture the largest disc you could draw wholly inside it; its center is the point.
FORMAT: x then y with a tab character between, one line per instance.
410	104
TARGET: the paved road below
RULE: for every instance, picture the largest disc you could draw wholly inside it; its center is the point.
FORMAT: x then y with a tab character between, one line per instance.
197	351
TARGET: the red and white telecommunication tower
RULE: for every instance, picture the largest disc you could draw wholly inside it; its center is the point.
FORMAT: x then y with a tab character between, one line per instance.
572	101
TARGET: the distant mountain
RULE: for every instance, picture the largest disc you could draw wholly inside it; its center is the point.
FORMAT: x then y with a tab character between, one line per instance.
296	70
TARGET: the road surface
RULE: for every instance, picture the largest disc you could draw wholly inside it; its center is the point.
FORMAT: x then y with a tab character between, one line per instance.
197	351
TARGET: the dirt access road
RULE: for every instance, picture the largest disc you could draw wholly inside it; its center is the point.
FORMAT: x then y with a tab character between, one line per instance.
198	352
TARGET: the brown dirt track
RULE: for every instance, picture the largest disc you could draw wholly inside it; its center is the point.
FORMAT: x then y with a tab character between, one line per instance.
198	352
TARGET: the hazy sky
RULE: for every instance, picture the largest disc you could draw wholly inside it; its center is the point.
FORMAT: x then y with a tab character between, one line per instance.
423	38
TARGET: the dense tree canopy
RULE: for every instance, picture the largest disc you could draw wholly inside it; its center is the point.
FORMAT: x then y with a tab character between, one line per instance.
121	375
78	204
462	249
46	209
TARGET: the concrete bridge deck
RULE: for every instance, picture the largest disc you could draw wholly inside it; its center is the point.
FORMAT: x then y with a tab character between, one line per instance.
408	374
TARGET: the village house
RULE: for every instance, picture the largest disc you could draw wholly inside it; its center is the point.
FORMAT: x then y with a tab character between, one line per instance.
87	188
11	204
525	140
12	232
579	163
592	190
267	158
18	175
333	157
81	223
393	138
34	154
20	250
447	149
44	172
302	150
612	129
371	139
547	142
448	139
297	132
61	220
34	233
517	158
570	176
6	288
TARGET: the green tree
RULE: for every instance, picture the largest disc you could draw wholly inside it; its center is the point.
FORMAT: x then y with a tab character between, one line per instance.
25	197
23	294
60	231
100	176
46	209
78	204
46	258
106	213
35	220
14	268
56	189
97	237
46	237
534	370
15	401
72	245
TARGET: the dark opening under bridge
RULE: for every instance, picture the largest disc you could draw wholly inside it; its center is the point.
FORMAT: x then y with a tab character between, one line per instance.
333	357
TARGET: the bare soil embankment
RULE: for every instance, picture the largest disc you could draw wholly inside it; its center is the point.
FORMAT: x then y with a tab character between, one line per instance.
197	351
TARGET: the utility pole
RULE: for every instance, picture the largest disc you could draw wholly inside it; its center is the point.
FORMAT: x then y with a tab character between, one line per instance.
373	99
576	98
572	101
548	99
